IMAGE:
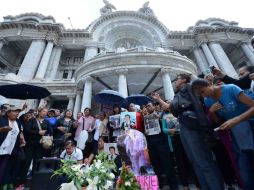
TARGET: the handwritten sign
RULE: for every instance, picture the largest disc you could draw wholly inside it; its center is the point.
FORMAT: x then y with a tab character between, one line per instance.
148	182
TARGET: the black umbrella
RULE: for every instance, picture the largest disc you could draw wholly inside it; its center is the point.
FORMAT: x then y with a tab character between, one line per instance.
23	91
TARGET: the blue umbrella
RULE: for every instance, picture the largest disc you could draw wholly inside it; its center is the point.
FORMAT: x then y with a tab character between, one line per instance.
23	91
110	97
139	99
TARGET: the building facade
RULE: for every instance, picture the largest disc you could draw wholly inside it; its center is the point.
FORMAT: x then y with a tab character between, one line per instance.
128	51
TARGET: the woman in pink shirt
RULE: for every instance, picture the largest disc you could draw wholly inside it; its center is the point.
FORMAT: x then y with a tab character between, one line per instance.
86	122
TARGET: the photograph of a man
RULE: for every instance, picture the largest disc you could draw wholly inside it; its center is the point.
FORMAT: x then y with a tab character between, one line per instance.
127	123
128	120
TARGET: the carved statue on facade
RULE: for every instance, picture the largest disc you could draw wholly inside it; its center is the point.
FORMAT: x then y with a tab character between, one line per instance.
107	8
147	10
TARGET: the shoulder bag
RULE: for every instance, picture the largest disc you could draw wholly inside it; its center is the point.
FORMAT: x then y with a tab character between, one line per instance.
46	141
90	133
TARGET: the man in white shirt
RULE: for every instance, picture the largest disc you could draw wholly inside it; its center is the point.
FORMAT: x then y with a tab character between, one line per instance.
72	153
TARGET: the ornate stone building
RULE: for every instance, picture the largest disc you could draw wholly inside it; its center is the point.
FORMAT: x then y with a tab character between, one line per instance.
129	51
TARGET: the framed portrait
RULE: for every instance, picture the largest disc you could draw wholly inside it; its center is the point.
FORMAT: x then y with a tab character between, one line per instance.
128	120
152	125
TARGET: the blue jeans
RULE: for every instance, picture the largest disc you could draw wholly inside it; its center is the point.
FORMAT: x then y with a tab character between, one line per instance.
242	137
245	164
201	159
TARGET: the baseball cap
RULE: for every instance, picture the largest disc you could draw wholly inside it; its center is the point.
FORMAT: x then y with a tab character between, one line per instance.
12	108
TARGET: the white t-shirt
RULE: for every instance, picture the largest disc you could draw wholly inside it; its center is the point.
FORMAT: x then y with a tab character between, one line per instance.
97	129
77	155
9	143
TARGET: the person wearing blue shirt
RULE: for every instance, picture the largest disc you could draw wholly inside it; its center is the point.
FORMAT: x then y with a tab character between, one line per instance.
230	104
52	119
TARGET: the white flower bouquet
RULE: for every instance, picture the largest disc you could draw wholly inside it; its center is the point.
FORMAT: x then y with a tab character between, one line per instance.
96	176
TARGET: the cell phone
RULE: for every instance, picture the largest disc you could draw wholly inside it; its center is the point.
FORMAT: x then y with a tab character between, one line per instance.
217	129
212	68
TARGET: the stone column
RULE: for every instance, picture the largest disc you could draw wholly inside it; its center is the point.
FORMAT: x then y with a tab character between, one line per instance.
222	59
43	103
122	82
31	60
1	44
209	55
202	64
69	74
50	65
56	62
77	105
71	102
90	53
167	85
49	102
87	94
248	52
250	46
32	104
44	61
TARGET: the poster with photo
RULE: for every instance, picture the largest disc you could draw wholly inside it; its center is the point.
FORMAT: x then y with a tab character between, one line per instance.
114	121
170	121
128	120
152	126
107	145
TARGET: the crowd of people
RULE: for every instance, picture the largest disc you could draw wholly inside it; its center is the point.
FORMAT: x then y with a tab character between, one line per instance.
204	136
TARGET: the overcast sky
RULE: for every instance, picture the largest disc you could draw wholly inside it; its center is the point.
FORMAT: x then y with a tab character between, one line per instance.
175	14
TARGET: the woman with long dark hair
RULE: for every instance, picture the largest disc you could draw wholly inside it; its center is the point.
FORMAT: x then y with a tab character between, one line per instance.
24	119
64	131
35	130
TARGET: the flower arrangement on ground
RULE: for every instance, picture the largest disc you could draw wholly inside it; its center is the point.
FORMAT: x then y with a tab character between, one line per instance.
127	180
96	176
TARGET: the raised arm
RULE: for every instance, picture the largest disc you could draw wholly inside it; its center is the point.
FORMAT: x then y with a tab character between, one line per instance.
163	104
